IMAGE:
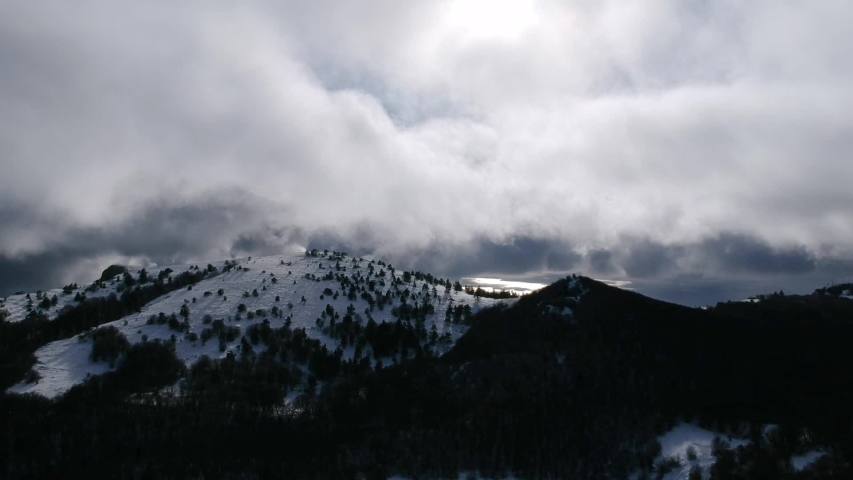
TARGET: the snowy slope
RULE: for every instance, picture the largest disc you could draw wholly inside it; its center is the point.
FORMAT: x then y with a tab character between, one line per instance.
676	442
20	305
799	462
63	363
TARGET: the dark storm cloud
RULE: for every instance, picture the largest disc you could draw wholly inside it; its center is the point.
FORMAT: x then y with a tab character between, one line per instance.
693	290
601	262
701	290
837	266
483	257
561	258
205	229
271	241
744	254
210	225
521	257
648	259
726	266
724	253
37	272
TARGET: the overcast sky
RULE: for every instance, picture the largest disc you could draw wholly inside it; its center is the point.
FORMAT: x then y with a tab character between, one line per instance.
699	149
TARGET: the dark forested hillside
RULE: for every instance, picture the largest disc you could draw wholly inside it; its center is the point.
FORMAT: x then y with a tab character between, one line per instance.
573	381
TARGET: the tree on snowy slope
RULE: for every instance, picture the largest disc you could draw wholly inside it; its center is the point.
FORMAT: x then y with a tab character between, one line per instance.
108	343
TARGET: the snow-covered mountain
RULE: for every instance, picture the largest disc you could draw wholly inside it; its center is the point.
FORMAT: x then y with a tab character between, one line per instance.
303	290
599	380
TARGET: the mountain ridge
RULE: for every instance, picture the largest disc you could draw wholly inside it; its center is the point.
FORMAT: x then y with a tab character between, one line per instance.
299	290
578	379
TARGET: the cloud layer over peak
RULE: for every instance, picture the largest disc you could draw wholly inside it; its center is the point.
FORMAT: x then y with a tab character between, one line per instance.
643	142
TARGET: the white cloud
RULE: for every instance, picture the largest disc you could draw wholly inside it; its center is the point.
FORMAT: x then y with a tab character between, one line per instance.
434	122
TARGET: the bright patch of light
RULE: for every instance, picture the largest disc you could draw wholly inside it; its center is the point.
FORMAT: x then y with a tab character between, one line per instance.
492	284
491	19
623	284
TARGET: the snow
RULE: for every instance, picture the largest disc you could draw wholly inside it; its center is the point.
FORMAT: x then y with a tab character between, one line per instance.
575	291
800	462
565	311
16	305
574	283
576	287
685	435
61	364
66	362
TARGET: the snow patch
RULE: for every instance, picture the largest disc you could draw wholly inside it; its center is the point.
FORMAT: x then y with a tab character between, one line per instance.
680	439
565	311
575	287
800	462
61	364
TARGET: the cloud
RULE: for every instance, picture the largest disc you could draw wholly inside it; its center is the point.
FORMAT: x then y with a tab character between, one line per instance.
165	232
648	259
601	262
725	253
638	141
738	253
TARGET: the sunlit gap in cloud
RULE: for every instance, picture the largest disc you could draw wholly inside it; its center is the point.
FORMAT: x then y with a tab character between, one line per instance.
623	284
497	284
521	288
491	19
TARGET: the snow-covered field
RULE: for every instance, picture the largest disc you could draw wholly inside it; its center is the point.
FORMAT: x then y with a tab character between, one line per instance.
64	363
677	441
802	461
